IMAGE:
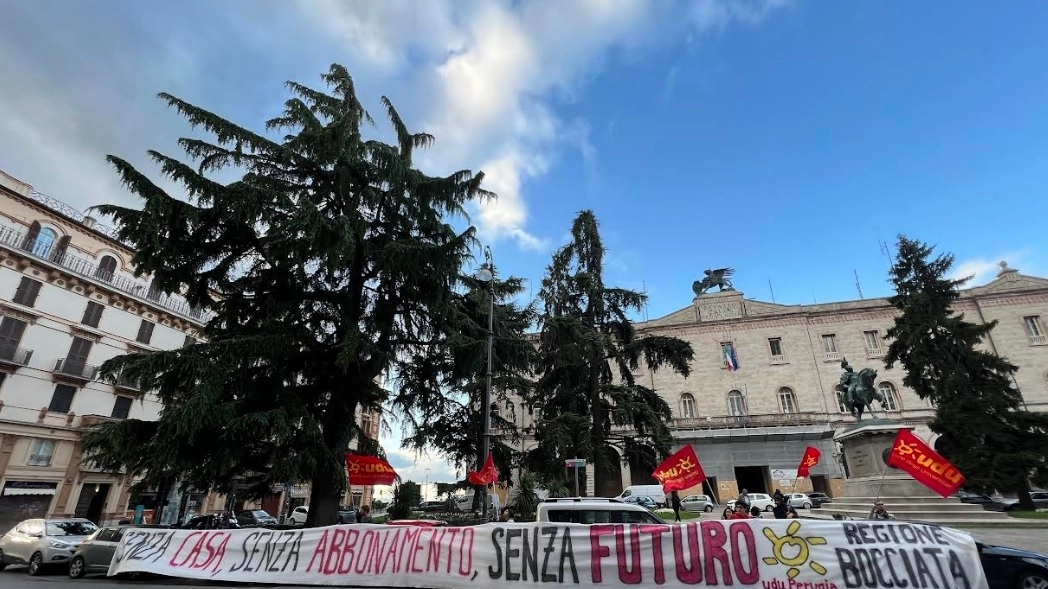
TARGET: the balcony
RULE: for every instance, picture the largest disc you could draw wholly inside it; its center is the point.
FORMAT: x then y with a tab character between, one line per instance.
1038	340
13	356
831	356
740	421
778	359
126	384
75	370
86	269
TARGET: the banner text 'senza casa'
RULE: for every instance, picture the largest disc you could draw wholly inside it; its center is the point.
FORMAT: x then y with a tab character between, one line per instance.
769	554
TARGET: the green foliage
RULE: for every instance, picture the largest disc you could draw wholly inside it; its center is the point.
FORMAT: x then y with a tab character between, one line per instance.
331	262
410	493
455	426
526	497
984	425
588	352
400	504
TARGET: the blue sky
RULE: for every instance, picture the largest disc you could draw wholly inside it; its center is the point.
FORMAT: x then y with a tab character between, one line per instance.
784	138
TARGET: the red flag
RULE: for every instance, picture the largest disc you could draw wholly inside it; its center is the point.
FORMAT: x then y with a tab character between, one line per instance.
808	461
485	476
680	471
368	470
925	465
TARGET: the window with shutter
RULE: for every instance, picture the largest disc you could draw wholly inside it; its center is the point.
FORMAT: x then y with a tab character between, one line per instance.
62	399
92	314
122	407
145	332
11	331
27	291
106	268
76	359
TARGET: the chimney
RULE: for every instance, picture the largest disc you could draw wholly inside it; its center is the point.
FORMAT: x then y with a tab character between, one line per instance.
89	221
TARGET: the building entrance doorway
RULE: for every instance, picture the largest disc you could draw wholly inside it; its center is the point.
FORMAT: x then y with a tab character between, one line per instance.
819	485
752	478
92	501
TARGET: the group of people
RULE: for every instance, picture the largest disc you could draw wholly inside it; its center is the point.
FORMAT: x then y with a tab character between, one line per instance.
781	510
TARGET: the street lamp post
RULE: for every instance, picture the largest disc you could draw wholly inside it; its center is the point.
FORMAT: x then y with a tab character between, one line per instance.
425	490
486	274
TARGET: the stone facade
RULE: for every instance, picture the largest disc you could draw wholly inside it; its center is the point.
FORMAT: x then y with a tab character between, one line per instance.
750	426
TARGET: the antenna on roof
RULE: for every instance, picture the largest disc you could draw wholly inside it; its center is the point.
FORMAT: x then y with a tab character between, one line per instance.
813	299
887	251
772	290
858	286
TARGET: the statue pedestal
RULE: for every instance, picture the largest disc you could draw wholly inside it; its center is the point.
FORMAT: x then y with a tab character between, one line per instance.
866	446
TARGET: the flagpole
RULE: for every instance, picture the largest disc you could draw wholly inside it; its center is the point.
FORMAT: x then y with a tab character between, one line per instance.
880	485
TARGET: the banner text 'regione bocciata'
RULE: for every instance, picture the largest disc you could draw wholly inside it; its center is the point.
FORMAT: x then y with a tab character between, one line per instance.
770	554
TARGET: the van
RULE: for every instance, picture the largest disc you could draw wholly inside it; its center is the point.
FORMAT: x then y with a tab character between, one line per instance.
653	491
594	510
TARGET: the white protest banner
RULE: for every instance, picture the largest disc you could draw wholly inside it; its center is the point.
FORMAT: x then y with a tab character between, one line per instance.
769	554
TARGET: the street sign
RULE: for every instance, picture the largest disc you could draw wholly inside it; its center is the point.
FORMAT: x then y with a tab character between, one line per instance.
575	463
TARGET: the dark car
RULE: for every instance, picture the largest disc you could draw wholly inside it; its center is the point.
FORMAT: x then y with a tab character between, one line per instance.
1040	501
255	517
974	498
819	499
1013	568
346	516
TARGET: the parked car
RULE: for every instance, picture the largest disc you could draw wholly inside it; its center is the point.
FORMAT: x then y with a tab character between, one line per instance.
799	501
1040	501
697	503
653	491
974	498
592	510
1012	568
298	516
40	543
96	553
642	500
255	517
761	501
346	516
819	499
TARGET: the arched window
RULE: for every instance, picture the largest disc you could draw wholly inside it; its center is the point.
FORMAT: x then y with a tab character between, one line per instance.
687	406
510	413
106	268
59	252
891	397
43	242
736	403
787	400
839	394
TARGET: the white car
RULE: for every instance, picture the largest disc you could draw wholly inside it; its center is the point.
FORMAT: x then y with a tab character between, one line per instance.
761	501
40	543
298	516
697	503
799	501
594	510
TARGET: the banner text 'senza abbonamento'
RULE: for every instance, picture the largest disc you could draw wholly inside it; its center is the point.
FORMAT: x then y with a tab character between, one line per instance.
770	554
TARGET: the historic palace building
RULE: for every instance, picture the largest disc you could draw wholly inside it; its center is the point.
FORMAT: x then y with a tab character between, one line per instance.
750	425
69	301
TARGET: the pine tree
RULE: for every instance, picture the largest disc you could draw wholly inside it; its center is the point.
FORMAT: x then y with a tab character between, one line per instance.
330	263
980	415
455	428
588	352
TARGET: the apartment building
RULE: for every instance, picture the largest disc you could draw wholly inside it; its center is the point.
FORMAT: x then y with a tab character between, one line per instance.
69	301
750	425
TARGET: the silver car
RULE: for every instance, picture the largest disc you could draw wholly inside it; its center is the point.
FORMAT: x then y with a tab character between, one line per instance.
96	553
41	543
697	503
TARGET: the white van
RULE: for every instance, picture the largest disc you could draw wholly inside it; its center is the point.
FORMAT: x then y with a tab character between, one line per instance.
653	491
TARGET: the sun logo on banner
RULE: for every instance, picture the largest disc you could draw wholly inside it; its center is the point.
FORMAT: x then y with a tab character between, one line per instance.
793	551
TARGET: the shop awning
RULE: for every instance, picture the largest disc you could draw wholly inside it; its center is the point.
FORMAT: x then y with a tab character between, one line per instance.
9	492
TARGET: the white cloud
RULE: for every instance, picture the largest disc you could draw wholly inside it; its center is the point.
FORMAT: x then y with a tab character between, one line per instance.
497	70
982	270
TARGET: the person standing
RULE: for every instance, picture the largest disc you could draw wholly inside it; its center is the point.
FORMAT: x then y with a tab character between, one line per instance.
744	499
676	506
364	516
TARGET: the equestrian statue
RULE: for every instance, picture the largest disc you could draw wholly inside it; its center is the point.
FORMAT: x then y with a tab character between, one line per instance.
721	278
857	390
